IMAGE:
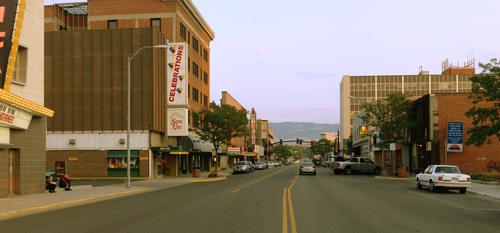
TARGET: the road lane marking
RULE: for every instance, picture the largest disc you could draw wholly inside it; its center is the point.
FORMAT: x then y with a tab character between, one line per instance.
287	196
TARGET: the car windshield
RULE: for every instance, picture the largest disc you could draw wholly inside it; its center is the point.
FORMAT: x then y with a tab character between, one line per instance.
307	164
240	163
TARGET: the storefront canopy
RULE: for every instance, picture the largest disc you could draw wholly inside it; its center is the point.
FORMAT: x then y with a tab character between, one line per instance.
199	144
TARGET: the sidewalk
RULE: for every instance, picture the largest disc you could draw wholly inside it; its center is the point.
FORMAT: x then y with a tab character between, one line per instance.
15	205
18	205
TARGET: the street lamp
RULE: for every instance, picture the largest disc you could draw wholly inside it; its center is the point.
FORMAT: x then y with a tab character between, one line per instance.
128	105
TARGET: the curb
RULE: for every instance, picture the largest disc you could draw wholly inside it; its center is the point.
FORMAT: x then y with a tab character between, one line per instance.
209	179
393	178
14	213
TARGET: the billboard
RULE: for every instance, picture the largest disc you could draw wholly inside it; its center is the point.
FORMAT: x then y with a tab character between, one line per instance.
8	10
455	135
177	122
177	74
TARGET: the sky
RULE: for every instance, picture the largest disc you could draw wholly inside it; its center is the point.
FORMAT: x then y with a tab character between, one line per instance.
286	58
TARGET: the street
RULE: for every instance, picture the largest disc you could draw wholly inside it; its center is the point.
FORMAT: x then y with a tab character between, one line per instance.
276	200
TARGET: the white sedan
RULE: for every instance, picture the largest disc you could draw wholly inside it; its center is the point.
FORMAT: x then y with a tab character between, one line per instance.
443	177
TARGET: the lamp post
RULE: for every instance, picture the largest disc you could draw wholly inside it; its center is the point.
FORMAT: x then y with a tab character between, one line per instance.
128	105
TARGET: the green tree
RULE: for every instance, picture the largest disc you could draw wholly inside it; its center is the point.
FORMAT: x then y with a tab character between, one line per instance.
282	151
219	124
322	146
389	117
485	118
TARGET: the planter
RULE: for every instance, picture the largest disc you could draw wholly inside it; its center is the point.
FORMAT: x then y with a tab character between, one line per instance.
402	171
196	172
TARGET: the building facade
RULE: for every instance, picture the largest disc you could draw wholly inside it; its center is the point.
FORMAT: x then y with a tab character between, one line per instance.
87	50
357	90
23	117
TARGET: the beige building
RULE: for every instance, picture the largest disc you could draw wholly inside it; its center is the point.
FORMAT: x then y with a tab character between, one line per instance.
357	90
23	120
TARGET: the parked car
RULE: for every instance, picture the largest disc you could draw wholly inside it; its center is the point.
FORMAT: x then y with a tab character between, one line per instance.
243	167
271	164
356	164
260	166
307	167
277	163
443	177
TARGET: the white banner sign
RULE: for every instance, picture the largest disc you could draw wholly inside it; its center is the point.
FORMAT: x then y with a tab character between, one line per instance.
177	74
177	122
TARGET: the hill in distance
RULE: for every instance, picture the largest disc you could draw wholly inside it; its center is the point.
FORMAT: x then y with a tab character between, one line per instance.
302	130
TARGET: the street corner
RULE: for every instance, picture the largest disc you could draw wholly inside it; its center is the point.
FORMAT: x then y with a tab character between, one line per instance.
208	179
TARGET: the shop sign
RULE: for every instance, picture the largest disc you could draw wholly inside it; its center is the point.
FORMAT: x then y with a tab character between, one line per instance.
455	135
8	10
177	74
177	122
14	117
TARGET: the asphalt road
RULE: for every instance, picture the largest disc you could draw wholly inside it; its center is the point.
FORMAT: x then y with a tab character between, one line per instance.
276	200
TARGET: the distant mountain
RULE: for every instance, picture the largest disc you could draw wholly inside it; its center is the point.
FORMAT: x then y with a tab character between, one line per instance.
302	130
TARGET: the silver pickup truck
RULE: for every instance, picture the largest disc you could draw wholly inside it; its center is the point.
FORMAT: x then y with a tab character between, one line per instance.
357	165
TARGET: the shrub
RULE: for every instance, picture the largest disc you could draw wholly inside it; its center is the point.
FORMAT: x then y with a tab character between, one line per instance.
493	165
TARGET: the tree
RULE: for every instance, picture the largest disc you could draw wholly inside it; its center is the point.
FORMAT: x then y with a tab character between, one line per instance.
322	146
389	117
219	124
282	151
485	118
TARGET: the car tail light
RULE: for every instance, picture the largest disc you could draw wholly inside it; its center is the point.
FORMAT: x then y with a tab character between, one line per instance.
440	178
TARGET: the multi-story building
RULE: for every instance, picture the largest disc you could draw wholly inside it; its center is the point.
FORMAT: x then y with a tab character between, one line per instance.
92	49
23	117
357	90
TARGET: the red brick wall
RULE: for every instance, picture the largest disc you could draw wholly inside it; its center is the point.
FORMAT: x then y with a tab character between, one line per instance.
451	108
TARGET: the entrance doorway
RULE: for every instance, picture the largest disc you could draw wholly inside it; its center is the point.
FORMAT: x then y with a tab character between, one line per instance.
14	171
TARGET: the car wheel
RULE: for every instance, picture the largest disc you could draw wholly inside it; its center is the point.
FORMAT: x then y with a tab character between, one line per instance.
314	173
419	185
433	188
462	190
377	171
347	171
300	173
337	172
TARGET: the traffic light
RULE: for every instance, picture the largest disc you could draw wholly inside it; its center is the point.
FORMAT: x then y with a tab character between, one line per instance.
281	141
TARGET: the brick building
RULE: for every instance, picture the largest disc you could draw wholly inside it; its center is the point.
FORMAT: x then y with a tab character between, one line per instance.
428	144
86	51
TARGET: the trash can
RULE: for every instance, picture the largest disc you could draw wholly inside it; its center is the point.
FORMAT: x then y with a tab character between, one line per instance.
196	172
402	171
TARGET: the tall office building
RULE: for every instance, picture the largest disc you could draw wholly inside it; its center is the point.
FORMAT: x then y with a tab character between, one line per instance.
87	46
357	90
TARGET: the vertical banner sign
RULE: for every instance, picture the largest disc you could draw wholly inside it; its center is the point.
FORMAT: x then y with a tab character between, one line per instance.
8	10
177	74
177	119
455	135
253	126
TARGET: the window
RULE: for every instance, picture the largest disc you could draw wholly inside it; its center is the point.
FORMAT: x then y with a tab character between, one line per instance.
205	100
195	69
19	75
112	24
155	23
182	31
205	77
195	44
195	94
205	55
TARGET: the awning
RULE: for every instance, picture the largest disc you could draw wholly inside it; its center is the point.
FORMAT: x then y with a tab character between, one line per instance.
199	144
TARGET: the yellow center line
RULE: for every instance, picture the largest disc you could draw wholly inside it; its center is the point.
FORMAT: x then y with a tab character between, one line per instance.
293	227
